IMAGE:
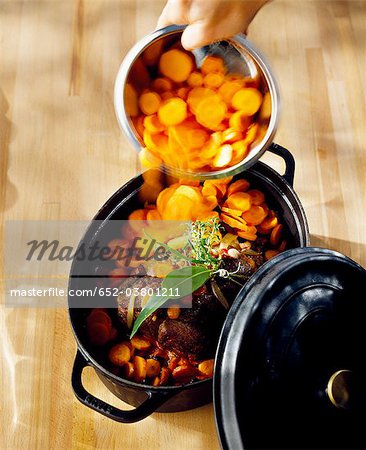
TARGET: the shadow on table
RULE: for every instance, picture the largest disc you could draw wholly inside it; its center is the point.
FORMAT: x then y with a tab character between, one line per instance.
354	250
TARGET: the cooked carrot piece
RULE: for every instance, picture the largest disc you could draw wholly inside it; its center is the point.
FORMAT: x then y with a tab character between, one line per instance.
173	312
153	124
249	235
196	95
210	203
152	368
184	374
266	108
153	215
255	215
234	222
223	156
164	375
211	111
162	85
156	381
119	354
247	100
240	200
140	343
183	93
167	95
270	254
232	212
213	80
176	65
99	333
251	133
231	135
149	102
276	235
128	370
99	316
138	123
257	196
195	79
148	160
139	364
282	246
213	64
196	138
138	214
269	223
206	367
131	100
208	189
228	89
241	185
172	111
239	121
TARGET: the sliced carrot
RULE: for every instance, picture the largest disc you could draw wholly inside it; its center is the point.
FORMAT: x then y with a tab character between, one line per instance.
232	212
211	111
176	65
210	202
282	247
255	215
266	108
276	234
233	222
156	381
196	138
213	80
172	111
228	89
164	376
148	160
167	95
162	84
257	196
184	373
128	370
270	254
152	367
99	333
206	367
131	100
139	364
230	135
153	124
239	121
153	215
138	123
196	95
173	312
223	156
140	343
213	64
248	235
208	189
183	93
238	186
240	200
189	182
251	133
247	100
119	354
195	79
149	102
269	223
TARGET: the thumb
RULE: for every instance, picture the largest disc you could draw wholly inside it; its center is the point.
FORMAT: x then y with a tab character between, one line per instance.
196	35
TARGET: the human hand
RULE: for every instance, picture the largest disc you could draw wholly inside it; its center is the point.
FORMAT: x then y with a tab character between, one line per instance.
209	20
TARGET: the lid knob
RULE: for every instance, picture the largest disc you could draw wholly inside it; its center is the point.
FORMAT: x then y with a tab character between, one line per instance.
340	388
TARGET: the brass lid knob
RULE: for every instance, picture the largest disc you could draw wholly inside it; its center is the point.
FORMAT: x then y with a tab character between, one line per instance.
340	388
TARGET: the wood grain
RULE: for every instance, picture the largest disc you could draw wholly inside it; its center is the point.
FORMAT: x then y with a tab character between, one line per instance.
63	155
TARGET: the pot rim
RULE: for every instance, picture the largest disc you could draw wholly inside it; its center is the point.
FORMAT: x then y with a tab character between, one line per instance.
236	41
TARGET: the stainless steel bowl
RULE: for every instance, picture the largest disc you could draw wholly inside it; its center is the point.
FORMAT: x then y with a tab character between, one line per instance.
239	56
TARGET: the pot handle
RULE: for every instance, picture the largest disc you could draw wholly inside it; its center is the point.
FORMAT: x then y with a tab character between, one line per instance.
289	161
154	400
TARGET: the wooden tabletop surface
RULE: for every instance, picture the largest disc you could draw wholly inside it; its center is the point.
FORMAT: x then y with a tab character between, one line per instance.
63	155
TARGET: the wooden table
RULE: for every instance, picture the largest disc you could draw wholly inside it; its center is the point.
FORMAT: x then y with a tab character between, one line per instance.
63	155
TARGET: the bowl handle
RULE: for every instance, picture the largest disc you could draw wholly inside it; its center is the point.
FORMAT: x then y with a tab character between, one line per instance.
289	161
154	400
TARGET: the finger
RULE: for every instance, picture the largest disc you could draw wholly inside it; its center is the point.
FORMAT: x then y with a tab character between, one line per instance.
174	13
197	35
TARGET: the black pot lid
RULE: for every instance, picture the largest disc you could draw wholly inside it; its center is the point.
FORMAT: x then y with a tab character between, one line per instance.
290	365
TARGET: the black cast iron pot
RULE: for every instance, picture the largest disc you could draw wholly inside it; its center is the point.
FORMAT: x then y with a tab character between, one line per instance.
147	399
